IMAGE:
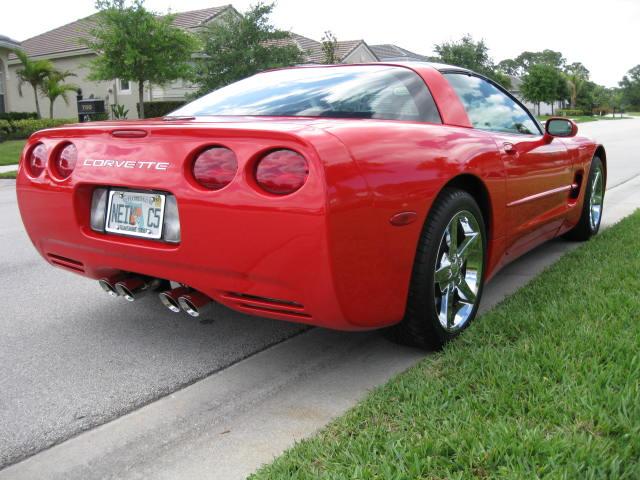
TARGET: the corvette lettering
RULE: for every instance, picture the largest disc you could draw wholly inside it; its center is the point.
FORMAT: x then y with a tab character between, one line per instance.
130	164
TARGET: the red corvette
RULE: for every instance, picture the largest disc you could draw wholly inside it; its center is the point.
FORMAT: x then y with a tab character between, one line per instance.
351	197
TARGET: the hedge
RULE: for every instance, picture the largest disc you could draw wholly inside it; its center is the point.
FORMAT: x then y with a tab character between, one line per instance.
10	116
568	112
22	129
160	109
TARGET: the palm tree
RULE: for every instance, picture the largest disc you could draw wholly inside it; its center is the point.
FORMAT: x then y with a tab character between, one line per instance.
32	72
575	83
53	86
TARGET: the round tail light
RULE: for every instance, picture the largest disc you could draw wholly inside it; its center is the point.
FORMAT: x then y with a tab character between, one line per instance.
66	160
37	160
282	172
215	168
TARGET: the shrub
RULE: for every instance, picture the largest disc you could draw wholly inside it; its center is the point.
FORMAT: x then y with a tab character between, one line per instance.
10	116
568	112
5	127
160	109
22	129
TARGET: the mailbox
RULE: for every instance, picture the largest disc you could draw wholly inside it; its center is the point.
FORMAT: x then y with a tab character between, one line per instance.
89	109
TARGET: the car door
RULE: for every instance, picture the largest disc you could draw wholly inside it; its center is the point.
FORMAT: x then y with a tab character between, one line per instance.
539	172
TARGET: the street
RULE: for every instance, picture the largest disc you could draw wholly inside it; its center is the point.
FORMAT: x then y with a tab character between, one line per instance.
73	358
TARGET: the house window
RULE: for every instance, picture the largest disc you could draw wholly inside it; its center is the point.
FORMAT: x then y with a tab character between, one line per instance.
124	86
2	108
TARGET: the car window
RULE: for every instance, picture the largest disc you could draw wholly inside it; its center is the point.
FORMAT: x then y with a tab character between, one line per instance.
489	108
382	92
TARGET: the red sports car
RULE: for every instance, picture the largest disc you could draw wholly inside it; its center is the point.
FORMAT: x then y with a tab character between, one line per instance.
352	197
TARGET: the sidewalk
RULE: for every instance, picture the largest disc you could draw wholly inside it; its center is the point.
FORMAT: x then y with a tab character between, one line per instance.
229	424
8	168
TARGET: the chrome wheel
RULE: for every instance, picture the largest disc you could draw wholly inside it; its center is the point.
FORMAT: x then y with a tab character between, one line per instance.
596	198
458	271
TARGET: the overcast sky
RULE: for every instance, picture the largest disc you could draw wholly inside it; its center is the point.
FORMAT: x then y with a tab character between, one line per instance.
604	35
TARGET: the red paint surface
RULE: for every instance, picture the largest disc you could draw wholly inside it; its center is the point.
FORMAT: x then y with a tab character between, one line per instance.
326	254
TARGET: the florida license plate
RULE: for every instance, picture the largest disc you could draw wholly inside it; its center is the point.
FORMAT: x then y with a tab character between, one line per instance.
136	214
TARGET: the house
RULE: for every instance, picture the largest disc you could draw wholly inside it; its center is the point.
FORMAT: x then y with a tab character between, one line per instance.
64	48
347	51
6	46
392	53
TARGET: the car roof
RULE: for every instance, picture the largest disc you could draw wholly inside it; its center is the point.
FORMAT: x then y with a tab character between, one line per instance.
407	64
438	66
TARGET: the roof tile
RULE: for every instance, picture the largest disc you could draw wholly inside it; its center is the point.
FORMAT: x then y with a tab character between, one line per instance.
68	38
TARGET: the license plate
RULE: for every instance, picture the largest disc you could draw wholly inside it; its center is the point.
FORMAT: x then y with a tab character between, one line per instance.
136	214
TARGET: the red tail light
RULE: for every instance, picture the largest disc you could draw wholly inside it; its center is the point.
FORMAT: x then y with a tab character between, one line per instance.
65	161
37	160
215	168
282	172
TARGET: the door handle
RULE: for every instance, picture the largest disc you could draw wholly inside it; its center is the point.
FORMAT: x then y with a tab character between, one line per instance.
509	148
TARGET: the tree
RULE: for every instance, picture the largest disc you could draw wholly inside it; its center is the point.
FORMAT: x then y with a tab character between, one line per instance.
543	83
53	86
520	65
468	53
510	66
630	88
134	44
330	47
34	73
577	75
242	46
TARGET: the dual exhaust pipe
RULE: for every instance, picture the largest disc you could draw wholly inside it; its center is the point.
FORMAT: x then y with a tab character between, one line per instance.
187	300
130	287
133	287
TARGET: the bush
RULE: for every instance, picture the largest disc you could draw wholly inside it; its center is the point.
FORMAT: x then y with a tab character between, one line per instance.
5	127
160	109
10	116
22	129
568	112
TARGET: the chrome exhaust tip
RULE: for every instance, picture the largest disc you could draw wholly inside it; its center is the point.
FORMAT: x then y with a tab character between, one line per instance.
195	303
108	287
170	298
108	284
133	288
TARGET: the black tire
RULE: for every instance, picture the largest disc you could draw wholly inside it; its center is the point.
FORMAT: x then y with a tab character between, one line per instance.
585	229
421	326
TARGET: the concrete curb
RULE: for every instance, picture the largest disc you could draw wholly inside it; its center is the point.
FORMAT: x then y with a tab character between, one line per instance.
8	168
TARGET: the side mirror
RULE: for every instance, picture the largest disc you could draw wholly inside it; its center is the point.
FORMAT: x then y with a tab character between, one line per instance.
560	127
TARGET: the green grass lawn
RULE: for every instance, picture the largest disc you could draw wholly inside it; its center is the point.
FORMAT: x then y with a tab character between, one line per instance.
8	175
10	151
546	385
585	118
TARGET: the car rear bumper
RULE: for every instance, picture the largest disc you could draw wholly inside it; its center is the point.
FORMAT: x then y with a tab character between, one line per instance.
268	262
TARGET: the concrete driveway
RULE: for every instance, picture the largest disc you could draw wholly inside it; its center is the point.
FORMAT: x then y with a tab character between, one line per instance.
73	359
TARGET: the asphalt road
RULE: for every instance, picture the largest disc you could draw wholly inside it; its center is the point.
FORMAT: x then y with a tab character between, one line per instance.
72	358
621	139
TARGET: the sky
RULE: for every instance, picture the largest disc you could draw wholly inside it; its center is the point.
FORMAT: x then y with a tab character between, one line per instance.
603	35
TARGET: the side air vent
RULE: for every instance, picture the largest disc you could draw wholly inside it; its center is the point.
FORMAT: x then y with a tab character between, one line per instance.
575	186
65	262
259	305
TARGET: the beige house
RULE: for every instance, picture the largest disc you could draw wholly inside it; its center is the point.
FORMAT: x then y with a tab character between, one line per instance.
64	48
6	46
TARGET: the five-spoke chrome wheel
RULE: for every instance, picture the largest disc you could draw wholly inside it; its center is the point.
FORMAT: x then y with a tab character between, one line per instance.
596	198
458	271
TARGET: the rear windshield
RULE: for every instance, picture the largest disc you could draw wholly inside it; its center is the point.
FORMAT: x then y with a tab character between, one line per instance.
382	92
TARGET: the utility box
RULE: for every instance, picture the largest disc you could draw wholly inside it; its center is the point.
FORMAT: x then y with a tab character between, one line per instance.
89	109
